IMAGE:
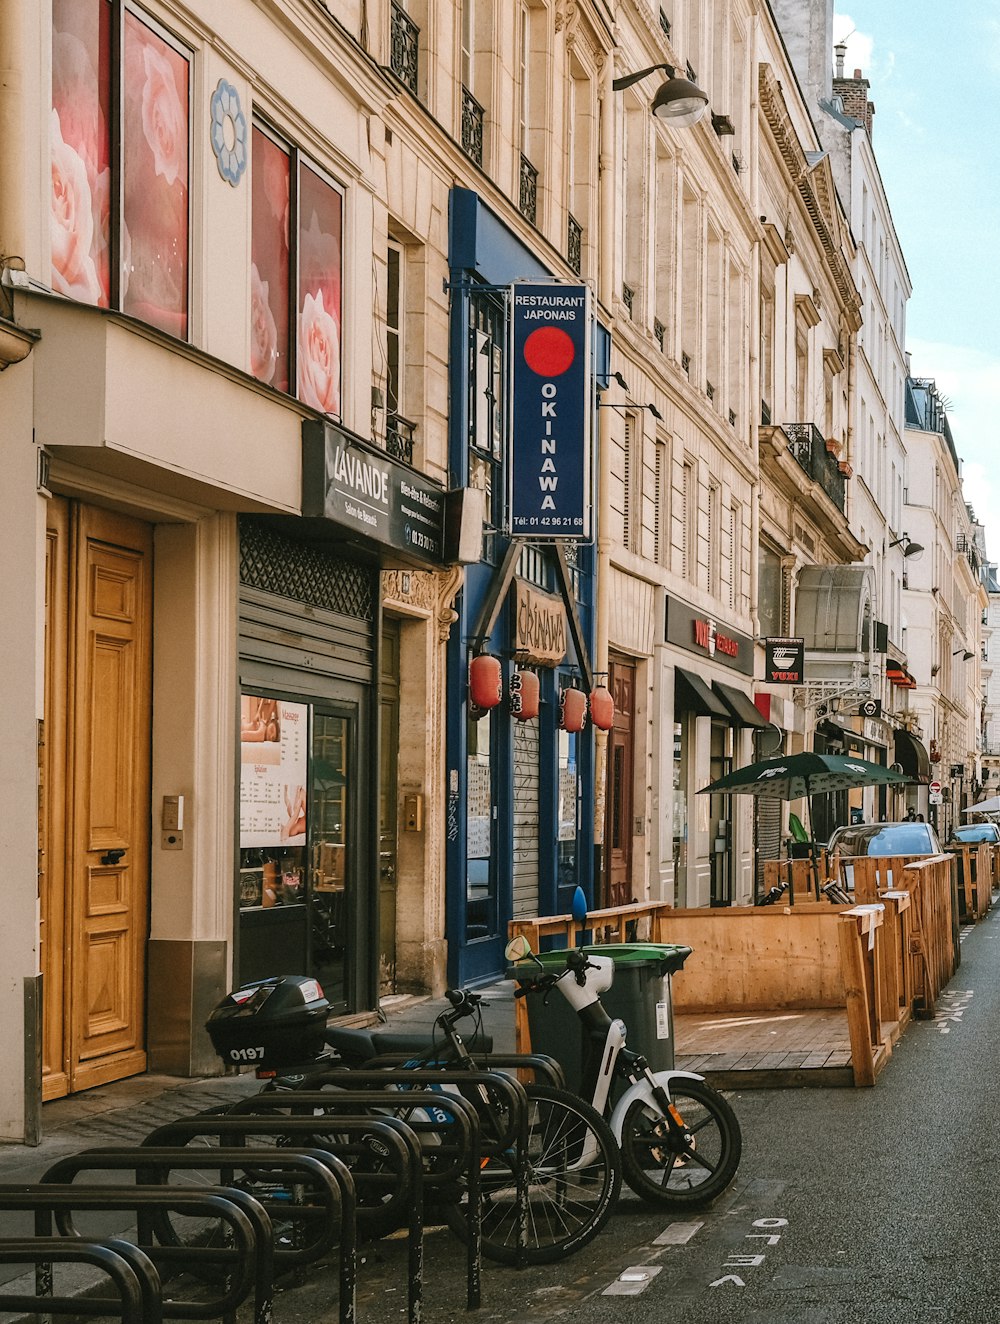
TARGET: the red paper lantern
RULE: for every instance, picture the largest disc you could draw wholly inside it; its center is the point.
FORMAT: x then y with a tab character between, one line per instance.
485	681
572	710
525	692
602	708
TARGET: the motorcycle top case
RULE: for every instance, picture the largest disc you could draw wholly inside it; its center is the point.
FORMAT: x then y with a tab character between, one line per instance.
271	1023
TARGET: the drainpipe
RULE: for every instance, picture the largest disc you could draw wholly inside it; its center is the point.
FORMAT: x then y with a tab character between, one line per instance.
12	130
605	283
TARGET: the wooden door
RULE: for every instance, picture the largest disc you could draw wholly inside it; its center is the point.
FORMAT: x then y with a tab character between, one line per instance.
96	809
617	888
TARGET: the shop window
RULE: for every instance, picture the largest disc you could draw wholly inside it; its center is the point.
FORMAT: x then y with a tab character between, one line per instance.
295	299
120	235
481	899
568	813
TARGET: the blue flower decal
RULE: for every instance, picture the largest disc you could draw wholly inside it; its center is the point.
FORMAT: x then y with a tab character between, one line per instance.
229	132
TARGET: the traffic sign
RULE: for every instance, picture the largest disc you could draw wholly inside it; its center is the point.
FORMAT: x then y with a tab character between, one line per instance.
935	788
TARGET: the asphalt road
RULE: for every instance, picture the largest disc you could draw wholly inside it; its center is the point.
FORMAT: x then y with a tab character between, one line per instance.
876	1206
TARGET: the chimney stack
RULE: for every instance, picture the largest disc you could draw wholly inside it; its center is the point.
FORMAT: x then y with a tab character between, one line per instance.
853	93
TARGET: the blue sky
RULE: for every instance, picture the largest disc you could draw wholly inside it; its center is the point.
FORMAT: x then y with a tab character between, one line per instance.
934	71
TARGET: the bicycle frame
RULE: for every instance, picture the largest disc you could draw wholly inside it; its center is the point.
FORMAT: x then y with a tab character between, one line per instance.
605	1053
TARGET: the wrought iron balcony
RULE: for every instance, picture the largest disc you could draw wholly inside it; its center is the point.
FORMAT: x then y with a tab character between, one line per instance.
528	196
404	45
808	445
574	244
399	437
473	116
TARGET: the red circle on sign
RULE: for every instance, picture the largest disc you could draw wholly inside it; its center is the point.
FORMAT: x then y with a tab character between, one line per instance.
549	351
934	788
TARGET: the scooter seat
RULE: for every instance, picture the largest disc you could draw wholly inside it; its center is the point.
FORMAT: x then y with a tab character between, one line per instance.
361	1045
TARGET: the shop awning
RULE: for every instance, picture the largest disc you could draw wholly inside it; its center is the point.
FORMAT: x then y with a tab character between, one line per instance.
912	757
851	741
692	695
742	707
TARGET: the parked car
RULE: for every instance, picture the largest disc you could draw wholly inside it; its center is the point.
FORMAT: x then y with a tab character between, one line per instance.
976	832
885	839
881	839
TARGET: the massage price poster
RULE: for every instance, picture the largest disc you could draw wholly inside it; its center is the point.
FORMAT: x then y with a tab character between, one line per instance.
274	754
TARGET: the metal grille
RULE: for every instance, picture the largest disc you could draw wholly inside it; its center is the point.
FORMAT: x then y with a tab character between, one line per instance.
659	331
275	564
399	437
574	244
405	41
664	24
528	197
628	297
472	126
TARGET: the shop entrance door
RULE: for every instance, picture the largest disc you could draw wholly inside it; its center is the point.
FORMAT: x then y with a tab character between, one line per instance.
720	817
95	807
388	816
617	880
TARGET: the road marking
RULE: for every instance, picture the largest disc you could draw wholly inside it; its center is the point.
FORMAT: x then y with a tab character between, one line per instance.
632	1281
951	1008
677	1234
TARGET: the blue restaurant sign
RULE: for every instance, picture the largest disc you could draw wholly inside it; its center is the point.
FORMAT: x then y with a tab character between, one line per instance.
550	465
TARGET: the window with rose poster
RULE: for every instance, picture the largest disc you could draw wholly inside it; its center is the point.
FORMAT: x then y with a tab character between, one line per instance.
304	283
119	237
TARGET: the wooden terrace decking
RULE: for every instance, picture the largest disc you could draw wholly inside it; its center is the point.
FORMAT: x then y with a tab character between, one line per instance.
765	1050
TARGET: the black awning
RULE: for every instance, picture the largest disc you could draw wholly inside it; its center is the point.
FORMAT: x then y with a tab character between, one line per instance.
835	734
692	695
743	709
912	757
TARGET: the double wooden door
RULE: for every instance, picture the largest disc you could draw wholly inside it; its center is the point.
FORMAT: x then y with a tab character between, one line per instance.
616	889
95	808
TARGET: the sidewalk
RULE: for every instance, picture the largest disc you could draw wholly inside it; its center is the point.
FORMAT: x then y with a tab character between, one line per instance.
125	1112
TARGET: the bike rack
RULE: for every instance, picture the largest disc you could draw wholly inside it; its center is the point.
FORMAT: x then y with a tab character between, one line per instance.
467	1153
248	1259
516	1135
132	1272
328	1178
399	1139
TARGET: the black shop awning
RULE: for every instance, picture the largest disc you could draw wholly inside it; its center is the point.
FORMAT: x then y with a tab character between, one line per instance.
912	757
692	695
743	709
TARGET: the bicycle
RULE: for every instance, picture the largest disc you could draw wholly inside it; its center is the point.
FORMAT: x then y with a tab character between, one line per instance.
680	1140
573	1175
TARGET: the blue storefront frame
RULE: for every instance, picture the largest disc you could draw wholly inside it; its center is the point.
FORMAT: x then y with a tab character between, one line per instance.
483	255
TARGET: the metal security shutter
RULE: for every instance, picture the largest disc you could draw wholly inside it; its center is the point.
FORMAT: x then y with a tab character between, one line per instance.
767	830
304	613
526	776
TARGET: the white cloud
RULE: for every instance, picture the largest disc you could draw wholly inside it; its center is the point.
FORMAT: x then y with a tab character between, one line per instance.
970	381
860	47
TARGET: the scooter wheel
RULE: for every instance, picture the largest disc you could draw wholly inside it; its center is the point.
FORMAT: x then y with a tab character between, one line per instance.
686	1168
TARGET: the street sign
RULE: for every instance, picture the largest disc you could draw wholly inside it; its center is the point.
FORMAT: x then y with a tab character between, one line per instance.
935	788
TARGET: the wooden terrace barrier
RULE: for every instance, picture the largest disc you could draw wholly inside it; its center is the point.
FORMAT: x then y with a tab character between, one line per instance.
976	877
877	960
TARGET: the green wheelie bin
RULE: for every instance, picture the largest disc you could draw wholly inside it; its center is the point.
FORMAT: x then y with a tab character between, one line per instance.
640	996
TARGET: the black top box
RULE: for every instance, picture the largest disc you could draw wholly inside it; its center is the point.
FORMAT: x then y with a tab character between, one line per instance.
272	1023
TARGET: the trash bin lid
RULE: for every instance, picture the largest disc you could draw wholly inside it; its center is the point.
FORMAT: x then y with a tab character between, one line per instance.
668	957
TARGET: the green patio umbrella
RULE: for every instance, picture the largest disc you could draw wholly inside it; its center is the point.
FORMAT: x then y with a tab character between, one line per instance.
800	777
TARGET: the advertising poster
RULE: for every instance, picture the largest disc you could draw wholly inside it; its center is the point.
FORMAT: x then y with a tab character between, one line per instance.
273	764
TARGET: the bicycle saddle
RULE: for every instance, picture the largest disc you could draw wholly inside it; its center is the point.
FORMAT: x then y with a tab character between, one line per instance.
364	1044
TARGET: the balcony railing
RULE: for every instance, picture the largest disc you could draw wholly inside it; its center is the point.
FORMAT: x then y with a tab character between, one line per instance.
404	44
574	244
399	438
808	445
528	196
473	116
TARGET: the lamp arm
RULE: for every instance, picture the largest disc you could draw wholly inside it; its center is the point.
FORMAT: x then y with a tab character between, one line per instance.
620	84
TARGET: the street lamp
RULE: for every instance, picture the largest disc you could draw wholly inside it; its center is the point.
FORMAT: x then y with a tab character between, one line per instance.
910	548
966	655
679	101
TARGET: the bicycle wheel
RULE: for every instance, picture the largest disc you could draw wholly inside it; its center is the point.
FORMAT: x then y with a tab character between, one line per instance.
574	1178
688	1169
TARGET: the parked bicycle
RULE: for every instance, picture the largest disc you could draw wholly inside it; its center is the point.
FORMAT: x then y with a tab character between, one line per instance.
680	1140
573	1166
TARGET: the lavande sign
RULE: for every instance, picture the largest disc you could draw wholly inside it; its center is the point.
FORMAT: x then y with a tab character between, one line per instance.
346	481
550	456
